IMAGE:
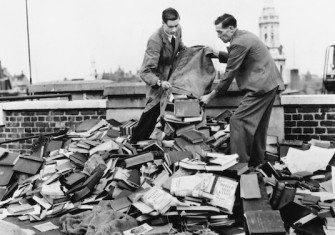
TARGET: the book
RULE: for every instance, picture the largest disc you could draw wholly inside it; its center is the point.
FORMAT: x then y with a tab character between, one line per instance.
224	116
220	141
287	196
169	129
192	136
6	172
250	187
225	160
101	123
207	209
17	209
9	158
309	199
51	146
114	123
28	164
330	223
113	133
76	149
236	170
86	125
198	185
205	132
92	143
55	200
170	117
272	145
158	199
198	118
42	201
153	147
82	144
186	108
264	222
106	146
224	189
181	143
139	159
185	128
268	170
3	152
203	166
277	194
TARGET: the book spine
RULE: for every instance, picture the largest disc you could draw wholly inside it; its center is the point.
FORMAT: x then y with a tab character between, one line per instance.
221	140
277	194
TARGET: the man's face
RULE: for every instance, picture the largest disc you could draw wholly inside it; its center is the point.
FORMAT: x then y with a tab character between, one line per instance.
225	34
171	26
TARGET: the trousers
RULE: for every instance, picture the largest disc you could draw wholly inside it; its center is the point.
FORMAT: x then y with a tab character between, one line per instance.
248	127
146	124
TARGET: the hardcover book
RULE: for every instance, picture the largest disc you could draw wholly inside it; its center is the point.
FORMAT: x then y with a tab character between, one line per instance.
264	222
236	170
187	108
224	189
192	136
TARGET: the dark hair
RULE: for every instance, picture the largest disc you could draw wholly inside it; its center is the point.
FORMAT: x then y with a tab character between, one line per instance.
170	14
226	20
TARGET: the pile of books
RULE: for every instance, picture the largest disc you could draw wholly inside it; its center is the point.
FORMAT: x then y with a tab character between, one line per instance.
187	181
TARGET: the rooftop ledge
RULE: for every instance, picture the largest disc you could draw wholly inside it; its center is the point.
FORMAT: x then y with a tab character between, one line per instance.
66	86
307	100
54	105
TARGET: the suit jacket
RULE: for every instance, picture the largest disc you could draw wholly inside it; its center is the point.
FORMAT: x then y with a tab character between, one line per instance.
250	62
157	64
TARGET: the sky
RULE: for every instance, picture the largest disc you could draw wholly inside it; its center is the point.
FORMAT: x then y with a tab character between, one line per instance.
71	38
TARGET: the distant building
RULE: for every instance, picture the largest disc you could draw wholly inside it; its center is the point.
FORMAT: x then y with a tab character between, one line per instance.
120	76
295	83
269	33
312	84
304	84
12	84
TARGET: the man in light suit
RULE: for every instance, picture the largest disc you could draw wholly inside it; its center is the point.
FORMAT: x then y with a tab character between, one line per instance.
250	63
162	49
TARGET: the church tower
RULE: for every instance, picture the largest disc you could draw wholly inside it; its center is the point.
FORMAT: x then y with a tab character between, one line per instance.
269	33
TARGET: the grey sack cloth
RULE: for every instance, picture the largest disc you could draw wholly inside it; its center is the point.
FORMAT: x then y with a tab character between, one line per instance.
193	71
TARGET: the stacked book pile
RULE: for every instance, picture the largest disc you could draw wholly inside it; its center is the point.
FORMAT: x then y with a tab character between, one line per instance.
187	181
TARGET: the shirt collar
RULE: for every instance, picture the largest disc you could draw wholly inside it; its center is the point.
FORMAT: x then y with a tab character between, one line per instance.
169	36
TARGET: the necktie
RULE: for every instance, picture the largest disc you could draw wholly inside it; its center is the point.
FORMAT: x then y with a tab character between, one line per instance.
173	42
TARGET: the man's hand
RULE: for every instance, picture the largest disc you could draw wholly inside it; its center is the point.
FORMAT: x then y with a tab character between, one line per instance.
205	99
165	85
213	51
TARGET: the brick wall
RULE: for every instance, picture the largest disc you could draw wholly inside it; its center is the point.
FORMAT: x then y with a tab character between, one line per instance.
33	118
21	124
313	118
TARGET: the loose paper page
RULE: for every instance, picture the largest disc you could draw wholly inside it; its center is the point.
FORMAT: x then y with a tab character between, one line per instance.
311	160
45	227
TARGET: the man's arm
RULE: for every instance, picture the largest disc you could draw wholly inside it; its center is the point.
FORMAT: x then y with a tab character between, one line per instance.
150	63
235	58
223	56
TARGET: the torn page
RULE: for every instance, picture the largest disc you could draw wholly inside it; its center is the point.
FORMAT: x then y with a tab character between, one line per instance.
311	160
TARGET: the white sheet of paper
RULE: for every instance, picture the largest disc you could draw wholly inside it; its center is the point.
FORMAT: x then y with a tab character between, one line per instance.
311	160
45	227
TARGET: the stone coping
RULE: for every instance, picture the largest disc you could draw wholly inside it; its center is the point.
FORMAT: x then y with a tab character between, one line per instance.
308	100
125	89
66	86
54	104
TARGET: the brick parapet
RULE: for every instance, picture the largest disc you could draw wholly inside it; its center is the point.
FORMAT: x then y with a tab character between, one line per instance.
25	119
309	116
